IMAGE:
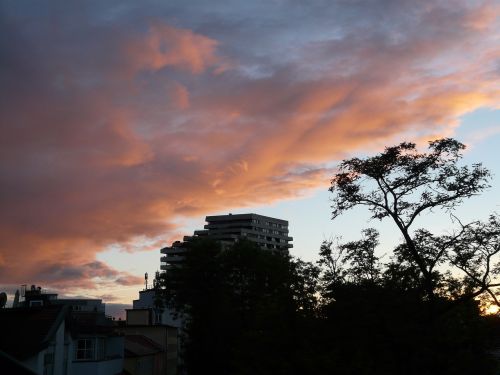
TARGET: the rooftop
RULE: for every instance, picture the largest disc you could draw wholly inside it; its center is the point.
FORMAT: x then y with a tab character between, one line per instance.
139	345
26	331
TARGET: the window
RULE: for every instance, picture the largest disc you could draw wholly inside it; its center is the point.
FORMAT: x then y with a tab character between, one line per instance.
85	349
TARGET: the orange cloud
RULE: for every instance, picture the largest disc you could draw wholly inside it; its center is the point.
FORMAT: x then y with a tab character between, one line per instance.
167	46
483	17
92	157
180	96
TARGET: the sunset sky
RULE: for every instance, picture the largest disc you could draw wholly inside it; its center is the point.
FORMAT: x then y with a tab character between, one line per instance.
125	123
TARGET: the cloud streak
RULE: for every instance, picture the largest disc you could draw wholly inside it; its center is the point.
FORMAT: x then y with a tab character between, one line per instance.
125	118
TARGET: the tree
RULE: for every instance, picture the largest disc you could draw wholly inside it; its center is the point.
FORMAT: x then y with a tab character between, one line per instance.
417	313
244	308
401	184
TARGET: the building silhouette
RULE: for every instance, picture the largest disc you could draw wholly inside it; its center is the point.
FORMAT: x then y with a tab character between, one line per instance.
268	233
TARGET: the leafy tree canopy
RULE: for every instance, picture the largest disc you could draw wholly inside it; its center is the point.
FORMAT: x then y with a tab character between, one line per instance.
401	184
244	308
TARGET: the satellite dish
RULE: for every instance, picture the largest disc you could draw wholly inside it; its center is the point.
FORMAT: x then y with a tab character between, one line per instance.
3	300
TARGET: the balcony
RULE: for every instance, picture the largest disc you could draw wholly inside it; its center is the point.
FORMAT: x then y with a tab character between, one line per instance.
172	259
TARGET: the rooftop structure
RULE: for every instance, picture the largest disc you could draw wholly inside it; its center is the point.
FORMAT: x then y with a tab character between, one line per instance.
148	343
269	233
51	336
35	297
160	315
28	331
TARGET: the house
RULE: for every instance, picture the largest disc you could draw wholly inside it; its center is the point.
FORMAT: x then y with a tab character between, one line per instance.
52	336
37	338
160	315
143	356
97	348
150	347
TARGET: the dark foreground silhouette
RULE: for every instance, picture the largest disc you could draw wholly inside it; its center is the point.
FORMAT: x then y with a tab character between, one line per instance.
417	311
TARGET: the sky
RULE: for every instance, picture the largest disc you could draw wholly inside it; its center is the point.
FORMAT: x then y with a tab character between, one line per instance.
124	123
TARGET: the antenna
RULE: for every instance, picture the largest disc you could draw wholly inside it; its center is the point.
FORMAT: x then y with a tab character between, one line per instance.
156	280
146	280
3	300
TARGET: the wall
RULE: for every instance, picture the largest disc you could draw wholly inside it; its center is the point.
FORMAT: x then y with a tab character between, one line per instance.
56	347
109	367
167	361
113	364
140	365
139	317
35	363
146	299
59	364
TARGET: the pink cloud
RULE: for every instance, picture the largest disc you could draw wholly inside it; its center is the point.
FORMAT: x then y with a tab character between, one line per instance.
167	46
99	152
180	96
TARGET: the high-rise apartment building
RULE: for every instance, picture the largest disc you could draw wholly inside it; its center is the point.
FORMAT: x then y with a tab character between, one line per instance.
269	233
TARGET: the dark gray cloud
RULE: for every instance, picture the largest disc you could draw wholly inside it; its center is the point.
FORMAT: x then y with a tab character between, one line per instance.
64	276
118	117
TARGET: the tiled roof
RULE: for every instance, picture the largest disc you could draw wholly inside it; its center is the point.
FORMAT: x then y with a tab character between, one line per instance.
25	331
91	323
139	345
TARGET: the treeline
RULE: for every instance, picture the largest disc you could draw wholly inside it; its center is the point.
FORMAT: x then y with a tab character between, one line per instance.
248	311
417	311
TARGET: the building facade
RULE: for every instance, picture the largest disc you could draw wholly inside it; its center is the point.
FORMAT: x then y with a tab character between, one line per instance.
151	348
52	336
268	233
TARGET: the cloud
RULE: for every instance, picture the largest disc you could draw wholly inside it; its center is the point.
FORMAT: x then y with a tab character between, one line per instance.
107	297
167	46
66	276
119	120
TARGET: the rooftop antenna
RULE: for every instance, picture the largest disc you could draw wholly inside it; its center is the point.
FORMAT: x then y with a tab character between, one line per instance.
3	300
146	280
156	280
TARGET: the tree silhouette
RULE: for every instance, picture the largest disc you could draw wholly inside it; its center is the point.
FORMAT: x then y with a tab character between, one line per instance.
418	313
249	311
402	184
245	309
